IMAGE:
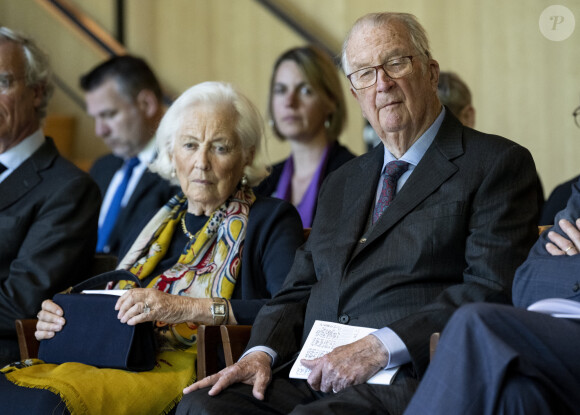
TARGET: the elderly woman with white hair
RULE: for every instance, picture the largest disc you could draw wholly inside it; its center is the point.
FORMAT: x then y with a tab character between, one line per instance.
213	243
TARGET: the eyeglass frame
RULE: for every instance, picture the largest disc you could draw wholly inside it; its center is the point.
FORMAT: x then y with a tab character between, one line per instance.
10	79
576	115
382	66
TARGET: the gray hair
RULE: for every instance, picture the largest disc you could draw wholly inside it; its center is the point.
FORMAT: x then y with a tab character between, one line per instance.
453	92
37	66
416	32
249	127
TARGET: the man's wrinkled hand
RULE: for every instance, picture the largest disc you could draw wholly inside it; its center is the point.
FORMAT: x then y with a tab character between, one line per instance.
347	365
560	245
254	369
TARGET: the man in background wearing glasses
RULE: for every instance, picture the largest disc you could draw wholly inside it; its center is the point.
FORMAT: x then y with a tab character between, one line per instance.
462	219
560	195
48	207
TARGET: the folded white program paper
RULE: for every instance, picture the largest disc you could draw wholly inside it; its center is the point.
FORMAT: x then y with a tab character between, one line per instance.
324	337
557	307
108	292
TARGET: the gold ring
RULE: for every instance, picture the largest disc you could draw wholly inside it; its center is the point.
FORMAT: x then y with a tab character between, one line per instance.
567	249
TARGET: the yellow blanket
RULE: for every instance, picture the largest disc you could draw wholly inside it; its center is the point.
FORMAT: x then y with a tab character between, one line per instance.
90	390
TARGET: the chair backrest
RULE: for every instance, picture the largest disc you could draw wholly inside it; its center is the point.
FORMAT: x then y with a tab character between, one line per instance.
234	340
543	228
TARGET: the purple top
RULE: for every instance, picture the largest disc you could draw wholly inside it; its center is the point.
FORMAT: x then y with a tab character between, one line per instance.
307	204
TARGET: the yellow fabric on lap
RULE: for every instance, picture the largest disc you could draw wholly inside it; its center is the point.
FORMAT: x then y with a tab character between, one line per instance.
90	390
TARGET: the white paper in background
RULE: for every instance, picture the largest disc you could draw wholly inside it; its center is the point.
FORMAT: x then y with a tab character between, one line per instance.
557	307
326	336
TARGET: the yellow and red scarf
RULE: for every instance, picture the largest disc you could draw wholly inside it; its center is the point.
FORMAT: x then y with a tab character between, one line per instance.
208	267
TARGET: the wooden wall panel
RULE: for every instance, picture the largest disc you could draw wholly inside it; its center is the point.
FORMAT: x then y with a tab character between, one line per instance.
525	86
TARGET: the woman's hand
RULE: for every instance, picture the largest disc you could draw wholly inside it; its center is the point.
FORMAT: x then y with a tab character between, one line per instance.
50	320
148	304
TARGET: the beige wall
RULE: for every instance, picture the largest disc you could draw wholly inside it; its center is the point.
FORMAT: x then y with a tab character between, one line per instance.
525	86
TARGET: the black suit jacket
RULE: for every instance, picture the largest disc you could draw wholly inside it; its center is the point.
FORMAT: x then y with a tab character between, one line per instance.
48	222
151	193
455	233
543	275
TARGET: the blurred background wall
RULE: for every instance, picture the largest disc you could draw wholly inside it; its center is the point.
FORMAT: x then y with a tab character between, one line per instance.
524	85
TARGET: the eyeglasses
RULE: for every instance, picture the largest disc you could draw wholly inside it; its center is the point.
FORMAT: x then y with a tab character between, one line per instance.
395	68
576	115
7	81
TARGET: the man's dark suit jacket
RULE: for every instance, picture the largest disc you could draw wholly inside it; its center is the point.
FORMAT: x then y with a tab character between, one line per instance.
151	193
455	233
543	275
48	221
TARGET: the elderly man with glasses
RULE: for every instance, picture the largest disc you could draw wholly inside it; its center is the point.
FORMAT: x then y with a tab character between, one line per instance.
436	217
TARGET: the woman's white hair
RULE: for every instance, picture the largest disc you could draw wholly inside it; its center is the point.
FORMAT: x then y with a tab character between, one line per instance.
249	127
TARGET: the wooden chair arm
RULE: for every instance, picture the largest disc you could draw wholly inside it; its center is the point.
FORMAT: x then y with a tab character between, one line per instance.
234	340
27	343
208	340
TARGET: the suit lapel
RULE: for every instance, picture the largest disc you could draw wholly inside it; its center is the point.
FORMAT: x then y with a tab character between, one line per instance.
357	204
432	171
147	181
26	177
357	201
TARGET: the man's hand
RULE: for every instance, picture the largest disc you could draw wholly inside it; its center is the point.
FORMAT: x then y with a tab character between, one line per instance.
253	369
561	245
347	365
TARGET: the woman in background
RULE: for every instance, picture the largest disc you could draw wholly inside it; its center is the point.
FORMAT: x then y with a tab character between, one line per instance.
307	108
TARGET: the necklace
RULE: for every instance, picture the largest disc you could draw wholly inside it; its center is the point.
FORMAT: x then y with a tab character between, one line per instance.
185	231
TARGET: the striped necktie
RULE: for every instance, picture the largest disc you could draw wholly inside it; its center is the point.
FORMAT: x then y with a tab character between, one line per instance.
393	172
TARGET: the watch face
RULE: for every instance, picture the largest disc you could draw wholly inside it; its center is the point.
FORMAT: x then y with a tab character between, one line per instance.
219	309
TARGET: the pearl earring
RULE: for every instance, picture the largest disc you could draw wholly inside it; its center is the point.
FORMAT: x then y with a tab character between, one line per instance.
244	180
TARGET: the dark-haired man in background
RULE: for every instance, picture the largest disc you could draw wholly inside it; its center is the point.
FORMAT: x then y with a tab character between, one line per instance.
125	100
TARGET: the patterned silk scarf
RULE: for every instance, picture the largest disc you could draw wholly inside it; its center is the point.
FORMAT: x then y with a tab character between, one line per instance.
208	266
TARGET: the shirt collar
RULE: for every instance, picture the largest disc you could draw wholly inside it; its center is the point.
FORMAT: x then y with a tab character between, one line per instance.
414	154
15	156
